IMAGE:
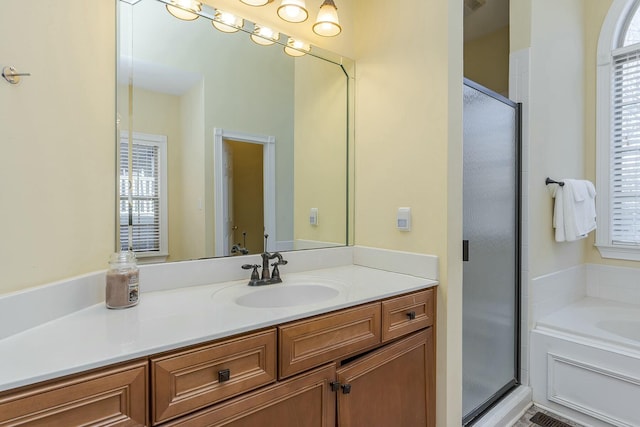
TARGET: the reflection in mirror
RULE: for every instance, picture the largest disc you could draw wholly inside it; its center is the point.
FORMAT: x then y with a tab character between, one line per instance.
231	140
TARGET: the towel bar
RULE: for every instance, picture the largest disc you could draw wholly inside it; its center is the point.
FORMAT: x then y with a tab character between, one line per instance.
551	181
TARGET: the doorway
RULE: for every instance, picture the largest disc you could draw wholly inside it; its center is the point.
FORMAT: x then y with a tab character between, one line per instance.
244	175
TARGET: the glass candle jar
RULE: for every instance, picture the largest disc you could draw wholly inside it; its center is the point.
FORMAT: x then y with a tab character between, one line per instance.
122	288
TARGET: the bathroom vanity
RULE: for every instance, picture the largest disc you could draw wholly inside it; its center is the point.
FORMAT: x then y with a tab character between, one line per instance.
363	357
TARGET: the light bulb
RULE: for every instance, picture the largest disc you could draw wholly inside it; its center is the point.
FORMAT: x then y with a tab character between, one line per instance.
264	36
293	11
327	23
227	22
296	47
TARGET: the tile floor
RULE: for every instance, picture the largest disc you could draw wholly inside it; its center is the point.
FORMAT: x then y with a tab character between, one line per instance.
525	420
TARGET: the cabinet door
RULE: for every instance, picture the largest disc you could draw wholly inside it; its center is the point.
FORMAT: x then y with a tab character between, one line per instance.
393	386
304	401
111	397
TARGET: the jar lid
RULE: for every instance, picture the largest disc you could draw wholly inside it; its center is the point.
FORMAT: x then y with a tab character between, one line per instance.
123	257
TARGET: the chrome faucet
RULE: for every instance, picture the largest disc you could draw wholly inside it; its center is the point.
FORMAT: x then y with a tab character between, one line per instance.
266	277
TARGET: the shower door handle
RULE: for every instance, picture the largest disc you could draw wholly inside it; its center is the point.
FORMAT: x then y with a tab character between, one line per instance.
465	250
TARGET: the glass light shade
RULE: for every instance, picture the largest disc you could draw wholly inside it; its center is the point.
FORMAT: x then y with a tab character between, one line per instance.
227	22
187	10
264	36
327	24
293	11
296	47
256	2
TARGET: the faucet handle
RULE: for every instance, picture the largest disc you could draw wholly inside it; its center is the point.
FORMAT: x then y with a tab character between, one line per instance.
254	273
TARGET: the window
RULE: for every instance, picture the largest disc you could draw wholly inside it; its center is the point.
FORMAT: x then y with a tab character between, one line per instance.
618	134
147	217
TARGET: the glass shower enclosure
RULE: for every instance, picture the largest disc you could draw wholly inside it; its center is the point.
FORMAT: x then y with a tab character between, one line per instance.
491	249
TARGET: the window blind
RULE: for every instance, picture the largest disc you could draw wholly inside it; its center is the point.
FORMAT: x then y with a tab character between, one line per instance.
625	149
145	212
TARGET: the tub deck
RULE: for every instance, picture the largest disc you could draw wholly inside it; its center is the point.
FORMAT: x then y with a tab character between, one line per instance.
597	320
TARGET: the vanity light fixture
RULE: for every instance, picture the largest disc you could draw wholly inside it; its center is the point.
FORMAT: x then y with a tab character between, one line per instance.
296	47
293	11
327	24
187	10
264	36
256	2
227	22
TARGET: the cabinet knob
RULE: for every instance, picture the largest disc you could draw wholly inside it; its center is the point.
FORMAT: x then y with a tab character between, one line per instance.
411	315
346	388
335	385
224	375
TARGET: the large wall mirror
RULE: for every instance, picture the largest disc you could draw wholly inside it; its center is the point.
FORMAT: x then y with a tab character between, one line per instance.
223	140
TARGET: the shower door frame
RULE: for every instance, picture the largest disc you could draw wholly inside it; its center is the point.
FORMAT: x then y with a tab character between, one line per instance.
476	414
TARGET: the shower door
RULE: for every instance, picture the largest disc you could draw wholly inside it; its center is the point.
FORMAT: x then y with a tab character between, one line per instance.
491	283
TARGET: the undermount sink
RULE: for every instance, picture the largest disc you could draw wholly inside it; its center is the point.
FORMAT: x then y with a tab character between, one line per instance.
287	296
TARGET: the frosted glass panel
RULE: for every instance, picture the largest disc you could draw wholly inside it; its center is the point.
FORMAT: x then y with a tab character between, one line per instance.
490	226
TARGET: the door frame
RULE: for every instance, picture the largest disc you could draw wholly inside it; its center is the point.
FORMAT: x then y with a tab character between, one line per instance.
268	143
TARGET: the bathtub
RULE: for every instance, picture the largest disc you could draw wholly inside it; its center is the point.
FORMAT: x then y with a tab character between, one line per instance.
585	363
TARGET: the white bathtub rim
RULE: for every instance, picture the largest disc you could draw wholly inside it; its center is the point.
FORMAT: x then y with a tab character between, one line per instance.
584	330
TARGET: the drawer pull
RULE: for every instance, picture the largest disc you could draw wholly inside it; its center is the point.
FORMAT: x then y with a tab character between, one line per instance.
224	375
411	315
346	388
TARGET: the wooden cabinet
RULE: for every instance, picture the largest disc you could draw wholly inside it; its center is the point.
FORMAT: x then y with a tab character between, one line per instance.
392	386
112	397
370	365
305	400
186	381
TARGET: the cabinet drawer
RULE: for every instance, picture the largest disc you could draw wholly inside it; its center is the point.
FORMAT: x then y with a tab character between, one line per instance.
407	313
306	400
114	397
309	343
190	380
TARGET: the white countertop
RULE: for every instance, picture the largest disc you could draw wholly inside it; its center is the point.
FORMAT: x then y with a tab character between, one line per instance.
96	336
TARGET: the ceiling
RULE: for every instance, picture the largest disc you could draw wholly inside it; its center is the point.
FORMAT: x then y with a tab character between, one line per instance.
482	17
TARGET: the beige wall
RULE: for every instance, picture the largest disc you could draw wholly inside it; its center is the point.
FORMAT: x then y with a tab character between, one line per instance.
57	127
486	60
320	155
189	236
408	153
556	122
519	24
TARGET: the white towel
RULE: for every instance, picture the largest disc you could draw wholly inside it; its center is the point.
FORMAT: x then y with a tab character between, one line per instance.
574	213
